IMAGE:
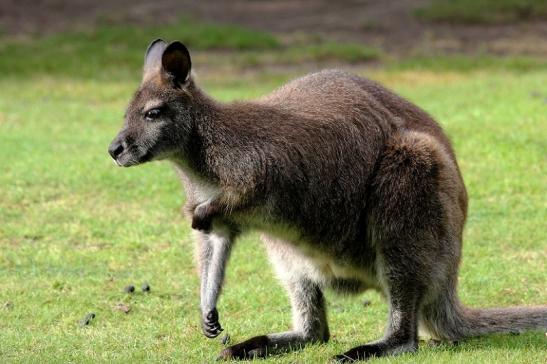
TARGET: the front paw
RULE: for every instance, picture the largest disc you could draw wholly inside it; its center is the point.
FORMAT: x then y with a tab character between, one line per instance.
210	325
201	220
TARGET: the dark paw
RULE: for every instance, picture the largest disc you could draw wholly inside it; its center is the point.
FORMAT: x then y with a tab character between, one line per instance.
378	349
257	347
359	353
210	325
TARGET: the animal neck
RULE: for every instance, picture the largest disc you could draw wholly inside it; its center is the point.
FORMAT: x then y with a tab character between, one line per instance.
214	130
222	130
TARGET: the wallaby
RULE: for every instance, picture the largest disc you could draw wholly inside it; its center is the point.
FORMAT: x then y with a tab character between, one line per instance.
352	186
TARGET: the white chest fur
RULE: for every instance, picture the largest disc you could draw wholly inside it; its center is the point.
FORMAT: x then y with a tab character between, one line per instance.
196	188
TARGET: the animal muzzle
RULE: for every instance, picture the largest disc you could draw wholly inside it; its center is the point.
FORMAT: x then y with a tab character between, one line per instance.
127	153
117	148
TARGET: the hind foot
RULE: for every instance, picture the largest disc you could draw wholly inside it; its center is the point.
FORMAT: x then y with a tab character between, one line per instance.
372	350
257	347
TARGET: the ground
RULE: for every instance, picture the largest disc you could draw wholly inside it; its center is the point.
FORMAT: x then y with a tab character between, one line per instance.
75	230
391	25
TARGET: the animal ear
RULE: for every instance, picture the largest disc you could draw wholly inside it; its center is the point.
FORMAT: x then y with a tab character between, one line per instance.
176	63
152	57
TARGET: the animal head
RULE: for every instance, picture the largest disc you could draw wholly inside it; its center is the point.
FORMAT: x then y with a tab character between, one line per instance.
160	117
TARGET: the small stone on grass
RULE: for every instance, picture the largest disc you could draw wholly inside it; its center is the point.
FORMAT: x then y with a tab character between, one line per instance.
87	319
122	307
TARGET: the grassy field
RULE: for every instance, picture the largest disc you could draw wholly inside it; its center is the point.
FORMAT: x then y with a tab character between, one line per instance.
483	11
74	229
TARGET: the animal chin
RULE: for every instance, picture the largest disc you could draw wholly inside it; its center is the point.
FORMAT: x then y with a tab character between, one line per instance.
125	160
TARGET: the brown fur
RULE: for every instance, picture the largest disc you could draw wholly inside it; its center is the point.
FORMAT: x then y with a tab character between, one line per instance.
353	187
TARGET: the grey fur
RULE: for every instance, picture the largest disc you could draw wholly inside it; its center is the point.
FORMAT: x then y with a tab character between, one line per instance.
213	254
152	57
352	186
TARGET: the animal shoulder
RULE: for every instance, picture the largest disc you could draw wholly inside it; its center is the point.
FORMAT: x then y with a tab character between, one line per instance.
321	90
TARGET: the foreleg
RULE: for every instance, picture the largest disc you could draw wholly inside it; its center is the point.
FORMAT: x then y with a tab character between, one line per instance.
213	253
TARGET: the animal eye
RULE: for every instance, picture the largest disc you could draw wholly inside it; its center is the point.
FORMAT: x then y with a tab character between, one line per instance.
152	114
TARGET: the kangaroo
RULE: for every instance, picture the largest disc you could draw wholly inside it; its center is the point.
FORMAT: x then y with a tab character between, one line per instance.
352	187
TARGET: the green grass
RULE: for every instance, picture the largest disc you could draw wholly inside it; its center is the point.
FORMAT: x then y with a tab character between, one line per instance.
483	11
469	63
74	229
348	52
115	51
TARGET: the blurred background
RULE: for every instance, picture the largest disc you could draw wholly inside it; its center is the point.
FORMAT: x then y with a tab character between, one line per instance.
258	34
75	230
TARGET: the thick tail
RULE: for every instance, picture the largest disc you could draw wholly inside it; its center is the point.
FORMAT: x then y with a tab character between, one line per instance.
447	319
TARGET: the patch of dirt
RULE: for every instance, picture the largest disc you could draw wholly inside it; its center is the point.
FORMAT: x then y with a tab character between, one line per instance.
387	24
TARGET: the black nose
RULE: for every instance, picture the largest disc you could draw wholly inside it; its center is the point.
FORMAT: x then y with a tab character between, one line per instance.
115	149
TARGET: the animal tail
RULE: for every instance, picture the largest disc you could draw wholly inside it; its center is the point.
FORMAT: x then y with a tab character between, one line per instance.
447	319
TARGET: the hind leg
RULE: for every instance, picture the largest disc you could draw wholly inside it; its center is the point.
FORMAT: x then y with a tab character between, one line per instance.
401	335
412	223
308	310
403	284
309	327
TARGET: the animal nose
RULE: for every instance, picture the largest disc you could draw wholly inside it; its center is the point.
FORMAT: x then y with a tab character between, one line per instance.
115	149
